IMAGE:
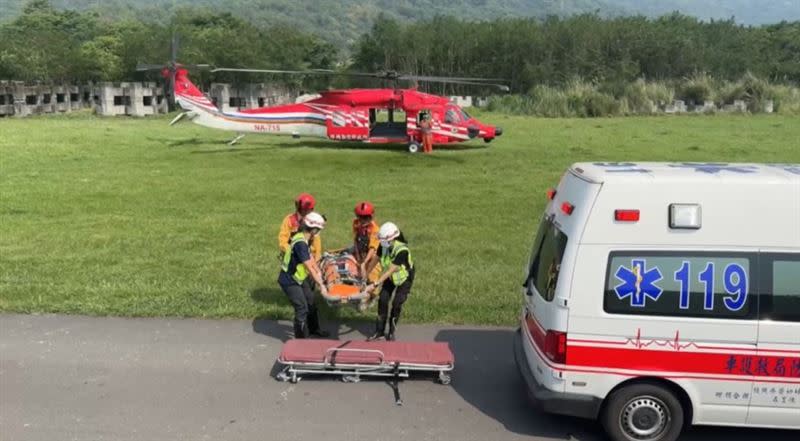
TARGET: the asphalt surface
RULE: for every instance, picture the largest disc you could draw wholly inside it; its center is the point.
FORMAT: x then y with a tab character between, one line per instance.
80	378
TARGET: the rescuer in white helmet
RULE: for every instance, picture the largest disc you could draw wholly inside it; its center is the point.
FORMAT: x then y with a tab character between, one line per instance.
397	277
298	264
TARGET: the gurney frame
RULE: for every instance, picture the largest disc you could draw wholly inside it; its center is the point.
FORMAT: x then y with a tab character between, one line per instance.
352	372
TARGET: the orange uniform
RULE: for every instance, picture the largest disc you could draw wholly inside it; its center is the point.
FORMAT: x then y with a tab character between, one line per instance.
427	135
290	226
365	238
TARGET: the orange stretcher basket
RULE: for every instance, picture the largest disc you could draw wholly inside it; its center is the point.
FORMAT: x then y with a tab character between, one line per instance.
340	272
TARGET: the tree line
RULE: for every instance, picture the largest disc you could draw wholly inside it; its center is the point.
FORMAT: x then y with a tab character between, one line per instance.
47	44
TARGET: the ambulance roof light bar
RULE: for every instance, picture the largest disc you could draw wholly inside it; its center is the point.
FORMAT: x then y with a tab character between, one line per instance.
685	216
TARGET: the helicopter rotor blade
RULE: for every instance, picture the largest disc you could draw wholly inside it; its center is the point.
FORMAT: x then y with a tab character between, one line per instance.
446	80
144	66
270	71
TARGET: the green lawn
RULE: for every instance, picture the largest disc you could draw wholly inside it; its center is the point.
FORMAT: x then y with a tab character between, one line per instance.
132	217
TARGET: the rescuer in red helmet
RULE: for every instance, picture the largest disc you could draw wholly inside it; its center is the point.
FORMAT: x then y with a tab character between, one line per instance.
365	240
304	203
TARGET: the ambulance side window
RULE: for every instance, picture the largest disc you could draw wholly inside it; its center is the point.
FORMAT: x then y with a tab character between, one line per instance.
781	287
682	284
545	267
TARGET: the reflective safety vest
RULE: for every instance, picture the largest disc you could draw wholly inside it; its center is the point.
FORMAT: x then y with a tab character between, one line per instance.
399	276
300	271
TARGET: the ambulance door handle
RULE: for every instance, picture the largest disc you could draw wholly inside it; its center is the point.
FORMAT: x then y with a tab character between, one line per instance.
562	301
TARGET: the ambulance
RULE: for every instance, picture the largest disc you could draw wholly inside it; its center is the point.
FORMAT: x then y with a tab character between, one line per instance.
663	295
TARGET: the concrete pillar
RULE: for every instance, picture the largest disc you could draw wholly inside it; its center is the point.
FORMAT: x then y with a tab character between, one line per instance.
19	92
220	94
6	99
134	99
107	93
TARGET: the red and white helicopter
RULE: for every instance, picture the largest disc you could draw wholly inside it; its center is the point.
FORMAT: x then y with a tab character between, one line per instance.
338	115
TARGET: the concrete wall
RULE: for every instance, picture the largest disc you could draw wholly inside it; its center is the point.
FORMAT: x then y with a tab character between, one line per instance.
132	99
248	96
20	99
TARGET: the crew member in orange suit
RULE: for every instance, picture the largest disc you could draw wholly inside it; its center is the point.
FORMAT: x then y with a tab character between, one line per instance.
365	241
304	203
426	126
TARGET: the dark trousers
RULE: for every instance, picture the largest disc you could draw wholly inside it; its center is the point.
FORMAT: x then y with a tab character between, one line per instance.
400	295
306	318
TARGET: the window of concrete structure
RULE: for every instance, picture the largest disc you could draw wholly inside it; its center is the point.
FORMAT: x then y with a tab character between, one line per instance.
74	97
2	100
147	100
46	98
236	101
159	99
260	102
122	100
60	97
97	99
31	100
86	96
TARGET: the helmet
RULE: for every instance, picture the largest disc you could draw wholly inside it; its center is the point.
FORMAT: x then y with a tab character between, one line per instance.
388	232
314	220
364	209
304	202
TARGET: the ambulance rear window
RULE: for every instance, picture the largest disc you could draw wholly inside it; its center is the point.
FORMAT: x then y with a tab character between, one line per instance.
548	250
782	281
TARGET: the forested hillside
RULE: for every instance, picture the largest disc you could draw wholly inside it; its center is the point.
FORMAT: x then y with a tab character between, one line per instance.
343	21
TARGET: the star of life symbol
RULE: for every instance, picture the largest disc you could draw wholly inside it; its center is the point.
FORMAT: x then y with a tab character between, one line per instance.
638	283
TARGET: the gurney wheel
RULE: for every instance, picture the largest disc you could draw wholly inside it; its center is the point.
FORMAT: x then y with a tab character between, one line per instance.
282	376
444	378
351	379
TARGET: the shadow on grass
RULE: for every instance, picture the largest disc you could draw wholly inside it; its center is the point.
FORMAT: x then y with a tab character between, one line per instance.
233	149
398	148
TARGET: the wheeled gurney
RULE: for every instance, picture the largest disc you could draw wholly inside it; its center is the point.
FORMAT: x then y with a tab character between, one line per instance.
355	359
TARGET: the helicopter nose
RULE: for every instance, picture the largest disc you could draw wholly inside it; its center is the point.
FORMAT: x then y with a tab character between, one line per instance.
498	131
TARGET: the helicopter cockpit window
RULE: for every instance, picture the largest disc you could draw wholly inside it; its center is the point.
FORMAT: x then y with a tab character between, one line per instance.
464	115
451	116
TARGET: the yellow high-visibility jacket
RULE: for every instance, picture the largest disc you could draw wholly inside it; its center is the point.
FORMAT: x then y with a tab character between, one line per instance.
290	226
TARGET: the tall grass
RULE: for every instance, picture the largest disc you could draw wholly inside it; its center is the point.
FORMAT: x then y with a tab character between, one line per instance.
580	98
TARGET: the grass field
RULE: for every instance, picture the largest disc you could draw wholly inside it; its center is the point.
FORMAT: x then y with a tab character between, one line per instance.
132	217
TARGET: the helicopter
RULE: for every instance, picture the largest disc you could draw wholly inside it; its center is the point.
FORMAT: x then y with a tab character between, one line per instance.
337	115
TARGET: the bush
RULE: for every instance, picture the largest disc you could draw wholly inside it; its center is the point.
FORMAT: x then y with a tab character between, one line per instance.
643	98
696	89
580	98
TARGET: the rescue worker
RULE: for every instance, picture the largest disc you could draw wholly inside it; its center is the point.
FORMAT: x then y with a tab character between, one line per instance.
297	266
396	278
365	241
304	203
426	126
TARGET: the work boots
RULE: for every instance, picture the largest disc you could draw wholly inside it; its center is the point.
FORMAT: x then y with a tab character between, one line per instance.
313	323
380	327
300	331
392	327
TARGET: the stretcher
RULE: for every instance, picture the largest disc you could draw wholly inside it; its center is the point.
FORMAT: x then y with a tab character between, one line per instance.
341	274
352	360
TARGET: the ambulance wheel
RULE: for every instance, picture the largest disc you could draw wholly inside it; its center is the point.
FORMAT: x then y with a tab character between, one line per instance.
414	147
643	412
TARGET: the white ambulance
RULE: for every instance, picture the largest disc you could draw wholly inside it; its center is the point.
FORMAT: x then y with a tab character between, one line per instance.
660	295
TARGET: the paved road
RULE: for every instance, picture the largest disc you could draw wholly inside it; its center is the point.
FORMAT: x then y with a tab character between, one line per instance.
79	378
